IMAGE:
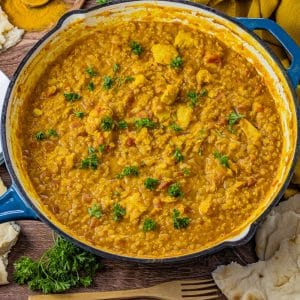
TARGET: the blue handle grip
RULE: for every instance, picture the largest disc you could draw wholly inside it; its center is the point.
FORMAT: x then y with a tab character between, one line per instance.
286	41
13	208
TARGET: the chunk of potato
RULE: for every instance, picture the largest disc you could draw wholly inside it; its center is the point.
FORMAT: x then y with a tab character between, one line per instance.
184	116
170	94
134	206
139	80
203	76
163	54
184	39
252	133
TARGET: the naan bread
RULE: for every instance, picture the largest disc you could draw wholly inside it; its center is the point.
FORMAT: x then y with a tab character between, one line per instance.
9	35
283	222
9	233
274	279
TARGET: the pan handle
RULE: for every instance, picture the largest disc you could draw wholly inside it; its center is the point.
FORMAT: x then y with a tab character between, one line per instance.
13	207
286	41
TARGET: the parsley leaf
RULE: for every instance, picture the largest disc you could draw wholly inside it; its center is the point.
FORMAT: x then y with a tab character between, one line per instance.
52	132
145	122
193	97
118	212
122	124
91	161
91	86
233	118
151	183
90	71
107	124
180	222
95	211
102	148
203	92
149	225
175	127
223	159
136	48
130	171
71	97
40	135
178	155
174	190
116	68
108	82
79	114
176	62
60	268
128	79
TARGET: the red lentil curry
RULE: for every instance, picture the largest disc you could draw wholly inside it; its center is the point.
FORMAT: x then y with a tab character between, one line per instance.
154	142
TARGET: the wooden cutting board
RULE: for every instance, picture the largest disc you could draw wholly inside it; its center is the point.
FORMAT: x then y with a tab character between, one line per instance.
36	237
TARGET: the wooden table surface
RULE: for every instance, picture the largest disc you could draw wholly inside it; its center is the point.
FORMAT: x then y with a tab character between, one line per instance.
36	237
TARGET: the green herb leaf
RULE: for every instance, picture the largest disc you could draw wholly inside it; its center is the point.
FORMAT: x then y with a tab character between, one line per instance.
79	114
234	117
130	171
176	62
40	135
90	71
151	183
128	79
122	124
118	212
193	97
186	171
223	159
60	268
71	97
95	211
149	225
108	82
203	92
174	190
145	122
52	132
91	86
180	222
136	48
107	124
175	127
178	155
91	161
116	68
102	148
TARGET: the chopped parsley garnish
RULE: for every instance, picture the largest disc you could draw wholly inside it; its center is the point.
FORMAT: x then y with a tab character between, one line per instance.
90	71
151	183
108	82
149	225
61	267
180	222
107	124
118	212
233	118
52	132
40	136
178	155
128	79
71	97
91	161
203	92
102	1
136	48
129	171
102	148
95	211
186	171
79	114
223	159
176	62
174	190
91	86
145	122
122	124
193	97
116	68
175	127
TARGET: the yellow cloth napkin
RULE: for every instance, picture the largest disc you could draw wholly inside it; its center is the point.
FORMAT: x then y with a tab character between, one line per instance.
284	12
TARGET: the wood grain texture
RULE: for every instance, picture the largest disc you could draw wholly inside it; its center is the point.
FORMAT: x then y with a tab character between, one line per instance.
36	237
